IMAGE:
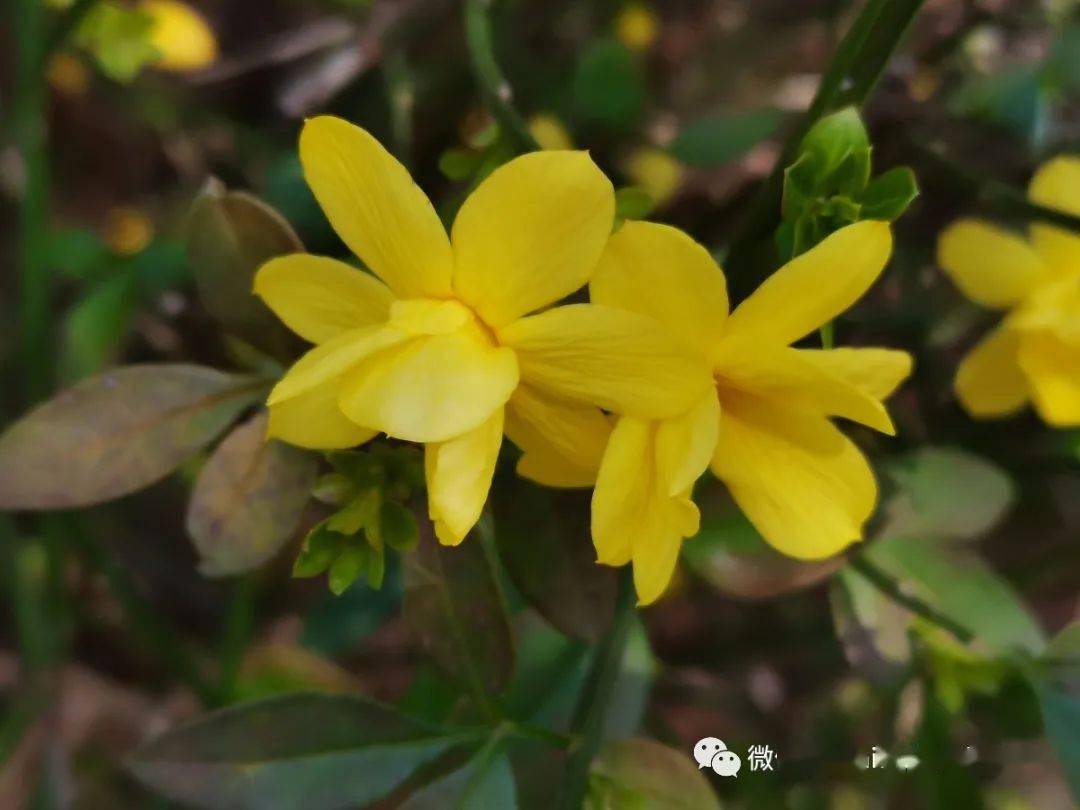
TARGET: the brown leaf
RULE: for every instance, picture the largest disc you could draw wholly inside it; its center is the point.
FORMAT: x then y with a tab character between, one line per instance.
116	433
248	499
230	235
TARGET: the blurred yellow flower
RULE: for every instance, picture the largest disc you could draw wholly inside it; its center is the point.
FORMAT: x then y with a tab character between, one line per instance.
548	131
765	426
184	40
656	172
67	74
127	230
636	26
1034	354
439	347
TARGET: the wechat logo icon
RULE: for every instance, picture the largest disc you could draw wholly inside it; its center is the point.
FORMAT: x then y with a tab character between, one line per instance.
710	752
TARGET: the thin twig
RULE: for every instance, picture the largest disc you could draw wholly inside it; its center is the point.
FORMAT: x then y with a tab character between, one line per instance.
891	588
494	88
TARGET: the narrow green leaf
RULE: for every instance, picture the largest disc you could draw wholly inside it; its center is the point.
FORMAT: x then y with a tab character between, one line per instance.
453	605
360	512
95	327
889	194
321	547
485	781
349	565
397	526
300	752
718	139
116	433
248	499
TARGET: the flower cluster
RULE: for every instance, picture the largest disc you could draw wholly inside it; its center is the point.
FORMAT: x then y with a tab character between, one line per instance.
454	340
1033	356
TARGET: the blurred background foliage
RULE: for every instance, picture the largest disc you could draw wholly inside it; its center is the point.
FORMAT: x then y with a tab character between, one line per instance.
951	636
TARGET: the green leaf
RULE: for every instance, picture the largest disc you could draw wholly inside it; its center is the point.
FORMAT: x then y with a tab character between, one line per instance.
79	253
321	547
646	775
485	781
116	433
453	605
1056	681
608	86
718	139
248	499
946	493
119	39
376	566
800	189
397	527
544	541
349	565
229	236
299	752
963	588
359	513
333	489
832	139
853	173
889	194
730	555
96	326
632	202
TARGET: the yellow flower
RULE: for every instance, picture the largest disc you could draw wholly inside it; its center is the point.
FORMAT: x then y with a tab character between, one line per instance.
548	131
636	26
1034	354
765	426
127	230
655	171
184	40
439	346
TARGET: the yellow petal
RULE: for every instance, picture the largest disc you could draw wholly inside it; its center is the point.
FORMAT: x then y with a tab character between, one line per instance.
430	389
878	372
330	360
428	316
804	485
549	132
531	234
989	382
620	361
562	441
685	444
376	208
991	266
623	489
657	542
320	298
813	288
313	419
459	473
184	40
786	376
1057	185
661	272
1052	367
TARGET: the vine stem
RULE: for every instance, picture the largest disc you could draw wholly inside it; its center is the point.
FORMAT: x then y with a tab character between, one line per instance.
858	63
587	727
892	588
494	88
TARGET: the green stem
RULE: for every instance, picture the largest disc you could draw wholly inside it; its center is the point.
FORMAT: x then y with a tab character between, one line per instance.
239	624
494	89
891	588
858	63
401	98
588	723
